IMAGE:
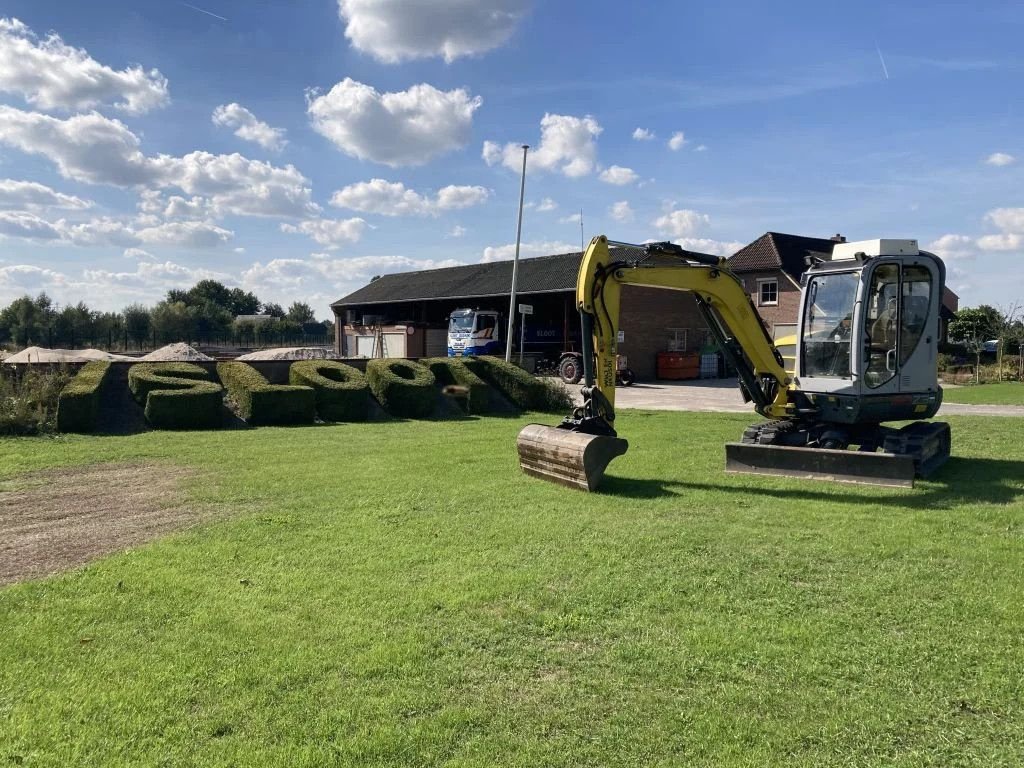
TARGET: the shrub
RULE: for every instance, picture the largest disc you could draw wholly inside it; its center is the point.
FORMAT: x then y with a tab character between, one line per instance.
28	403
452	371
341	391
260	402
524	390
177	395
78	407
402	387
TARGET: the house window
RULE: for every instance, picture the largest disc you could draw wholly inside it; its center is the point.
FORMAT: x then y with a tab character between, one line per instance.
677	338
767	293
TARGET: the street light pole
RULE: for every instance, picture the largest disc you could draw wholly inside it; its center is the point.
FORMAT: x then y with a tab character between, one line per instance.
515	262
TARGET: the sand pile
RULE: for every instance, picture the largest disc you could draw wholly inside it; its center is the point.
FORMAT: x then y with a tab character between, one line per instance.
177	353
289	353
44	355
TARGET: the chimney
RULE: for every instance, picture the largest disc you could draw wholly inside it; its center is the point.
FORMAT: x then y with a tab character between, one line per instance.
837	238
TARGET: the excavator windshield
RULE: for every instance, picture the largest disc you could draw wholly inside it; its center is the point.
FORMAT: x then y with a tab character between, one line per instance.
828	324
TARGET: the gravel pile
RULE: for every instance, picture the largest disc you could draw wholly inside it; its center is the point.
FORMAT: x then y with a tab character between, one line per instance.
179	352
289	353
44	355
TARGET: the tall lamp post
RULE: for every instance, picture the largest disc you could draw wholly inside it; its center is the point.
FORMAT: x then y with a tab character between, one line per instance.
515	262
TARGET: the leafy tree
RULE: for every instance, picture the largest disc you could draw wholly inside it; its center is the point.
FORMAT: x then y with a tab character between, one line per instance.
209	292
73	325
210	319
172	321
176	295
136	322
300	312
243	302
973	326
27	320
274	310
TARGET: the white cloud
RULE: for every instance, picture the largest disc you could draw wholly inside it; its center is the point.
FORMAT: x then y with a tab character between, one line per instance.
677	141
1007	219
573	218
30	195
1007	241
526	250
113	232
137	253
1000	159
330	233
97	150
403	128
49	74
706	245
952	247
27	226
396	30
567	145
547	204
395	199
701	148
681	223
642	134
457	231
247	127
621	211
618	175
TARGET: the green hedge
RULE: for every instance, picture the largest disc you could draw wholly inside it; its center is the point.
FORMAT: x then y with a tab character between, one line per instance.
177	395
260	402
78	405
524	390
341	391
402	387
453	371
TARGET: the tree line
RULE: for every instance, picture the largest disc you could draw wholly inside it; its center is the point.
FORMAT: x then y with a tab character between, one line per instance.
988	329
206	312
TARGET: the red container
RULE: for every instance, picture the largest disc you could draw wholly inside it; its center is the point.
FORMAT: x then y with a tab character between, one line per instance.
678	366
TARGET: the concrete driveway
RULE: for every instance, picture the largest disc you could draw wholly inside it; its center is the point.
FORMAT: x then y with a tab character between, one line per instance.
723	395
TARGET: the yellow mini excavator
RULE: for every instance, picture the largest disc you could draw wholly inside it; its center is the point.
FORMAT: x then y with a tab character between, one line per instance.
866	350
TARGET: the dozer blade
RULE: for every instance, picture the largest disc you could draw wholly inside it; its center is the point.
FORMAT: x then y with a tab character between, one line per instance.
570	458
821	464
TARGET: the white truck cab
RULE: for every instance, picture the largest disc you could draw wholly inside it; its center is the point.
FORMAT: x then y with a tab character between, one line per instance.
474	332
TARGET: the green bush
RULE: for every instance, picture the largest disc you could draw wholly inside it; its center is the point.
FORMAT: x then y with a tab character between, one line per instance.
524	390
341	391
452	371
402	387
28	403
78	407
260	402
177	395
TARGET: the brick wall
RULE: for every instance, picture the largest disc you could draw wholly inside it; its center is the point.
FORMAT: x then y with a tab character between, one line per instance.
787	310
647	315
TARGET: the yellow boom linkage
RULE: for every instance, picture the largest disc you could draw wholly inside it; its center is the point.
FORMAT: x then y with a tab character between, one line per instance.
577	452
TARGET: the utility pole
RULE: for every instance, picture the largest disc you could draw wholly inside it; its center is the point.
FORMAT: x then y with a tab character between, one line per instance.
515	262
581	231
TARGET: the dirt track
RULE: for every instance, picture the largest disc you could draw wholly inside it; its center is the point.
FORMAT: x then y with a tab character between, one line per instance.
58	519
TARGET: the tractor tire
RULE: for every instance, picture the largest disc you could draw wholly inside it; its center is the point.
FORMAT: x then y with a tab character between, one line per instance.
570	369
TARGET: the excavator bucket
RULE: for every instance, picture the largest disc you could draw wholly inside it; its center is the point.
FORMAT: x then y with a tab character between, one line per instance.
570	458
888	469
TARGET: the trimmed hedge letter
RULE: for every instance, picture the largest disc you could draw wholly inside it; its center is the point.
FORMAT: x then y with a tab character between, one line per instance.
402	387
177	395
342	393
260	402
78	405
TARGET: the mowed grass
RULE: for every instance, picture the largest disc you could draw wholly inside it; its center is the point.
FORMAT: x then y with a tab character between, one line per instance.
400	594
998	393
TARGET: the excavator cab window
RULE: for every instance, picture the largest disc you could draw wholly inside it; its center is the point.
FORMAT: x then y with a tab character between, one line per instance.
882	326
828	324
917	294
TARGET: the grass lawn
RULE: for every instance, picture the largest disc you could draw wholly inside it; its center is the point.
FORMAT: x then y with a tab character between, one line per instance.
999	393
400	594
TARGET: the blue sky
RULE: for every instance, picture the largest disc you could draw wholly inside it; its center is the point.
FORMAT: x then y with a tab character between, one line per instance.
297	149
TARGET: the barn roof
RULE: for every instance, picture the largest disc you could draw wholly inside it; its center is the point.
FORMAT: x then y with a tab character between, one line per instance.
777	250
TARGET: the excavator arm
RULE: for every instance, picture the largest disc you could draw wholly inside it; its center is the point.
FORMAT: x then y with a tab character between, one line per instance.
577	451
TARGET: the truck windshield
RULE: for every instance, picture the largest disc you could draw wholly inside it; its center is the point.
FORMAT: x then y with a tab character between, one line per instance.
461	323
828	324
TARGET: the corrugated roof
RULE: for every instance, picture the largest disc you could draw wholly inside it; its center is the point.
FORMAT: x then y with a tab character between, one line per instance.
536	275
777	250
